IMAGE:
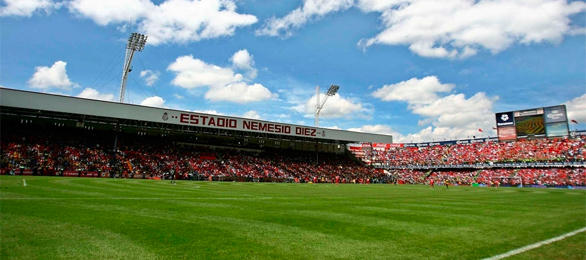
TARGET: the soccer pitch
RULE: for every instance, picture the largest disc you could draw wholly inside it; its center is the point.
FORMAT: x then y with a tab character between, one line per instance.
59	217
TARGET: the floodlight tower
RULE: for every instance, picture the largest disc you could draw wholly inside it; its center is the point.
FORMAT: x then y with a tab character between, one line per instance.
318	106
136	42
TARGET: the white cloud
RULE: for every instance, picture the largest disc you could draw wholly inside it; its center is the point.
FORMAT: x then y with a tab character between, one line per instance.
413	91
26	7
239	92
177	96
459	28
251	114
311	9
172	21
424	135
105	12
458	116
449	28
193	73
51	77
578	31
244	61
577	109
94	94
451	116
224	84
211	112
376	129
149	76
154	101
336	107
378	5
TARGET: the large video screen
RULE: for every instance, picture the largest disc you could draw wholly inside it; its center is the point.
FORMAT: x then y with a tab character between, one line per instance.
530	125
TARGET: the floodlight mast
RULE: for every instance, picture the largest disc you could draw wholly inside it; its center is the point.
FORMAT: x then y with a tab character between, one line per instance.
318	106
136	42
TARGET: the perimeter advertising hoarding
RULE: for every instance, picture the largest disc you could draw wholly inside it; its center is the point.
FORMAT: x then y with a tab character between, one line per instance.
507	133
532	125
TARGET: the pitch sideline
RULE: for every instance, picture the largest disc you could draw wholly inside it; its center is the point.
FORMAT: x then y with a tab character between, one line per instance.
536	245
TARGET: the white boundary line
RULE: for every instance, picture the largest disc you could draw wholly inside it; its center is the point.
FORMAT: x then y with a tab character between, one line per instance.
536	245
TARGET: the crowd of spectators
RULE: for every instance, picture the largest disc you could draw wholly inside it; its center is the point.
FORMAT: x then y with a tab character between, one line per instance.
36	155
552	177
524	150
39	157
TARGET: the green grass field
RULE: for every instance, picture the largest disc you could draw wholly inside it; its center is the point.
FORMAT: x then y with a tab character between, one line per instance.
58	217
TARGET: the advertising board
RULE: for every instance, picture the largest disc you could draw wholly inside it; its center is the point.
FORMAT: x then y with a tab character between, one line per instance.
505	119
507	133
555	114
557	129
529	112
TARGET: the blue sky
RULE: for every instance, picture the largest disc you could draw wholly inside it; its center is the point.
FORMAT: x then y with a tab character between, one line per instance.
419	70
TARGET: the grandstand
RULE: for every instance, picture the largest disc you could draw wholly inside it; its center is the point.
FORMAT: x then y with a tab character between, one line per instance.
553	162
45	134
123	140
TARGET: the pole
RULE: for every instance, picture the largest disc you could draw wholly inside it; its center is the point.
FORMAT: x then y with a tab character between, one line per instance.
136	42
127	62
317	106
316	152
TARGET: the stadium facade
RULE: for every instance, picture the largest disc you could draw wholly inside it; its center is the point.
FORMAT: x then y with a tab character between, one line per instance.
66	111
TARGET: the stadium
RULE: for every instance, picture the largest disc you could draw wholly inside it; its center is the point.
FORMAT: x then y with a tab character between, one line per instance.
88	177
176	175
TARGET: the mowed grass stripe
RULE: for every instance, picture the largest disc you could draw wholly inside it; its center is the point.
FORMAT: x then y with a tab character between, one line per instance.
65	240
215	217
119	187
286	237
252	220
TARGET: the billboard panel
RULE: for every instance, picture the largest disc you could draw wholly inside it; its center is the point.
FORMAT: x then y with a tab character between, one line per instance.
504	119
530	125
557	129
555	114
529	112
507	133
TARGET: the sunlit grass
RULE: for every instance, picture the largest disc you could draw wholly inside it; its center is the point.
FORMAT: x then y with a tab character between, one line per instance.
55	217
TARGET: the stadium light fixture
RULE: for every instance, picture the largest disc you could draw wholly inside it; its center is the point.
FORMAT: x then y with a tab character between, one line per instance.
318	106
136	42
333	90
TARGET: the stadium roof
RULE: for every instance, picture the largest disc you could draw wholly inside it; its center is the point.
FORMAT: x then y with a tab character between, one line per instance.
81	106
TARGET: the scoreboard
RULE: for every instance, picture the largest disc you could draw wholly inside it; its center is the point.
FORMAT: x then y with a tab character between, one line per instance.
537	122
